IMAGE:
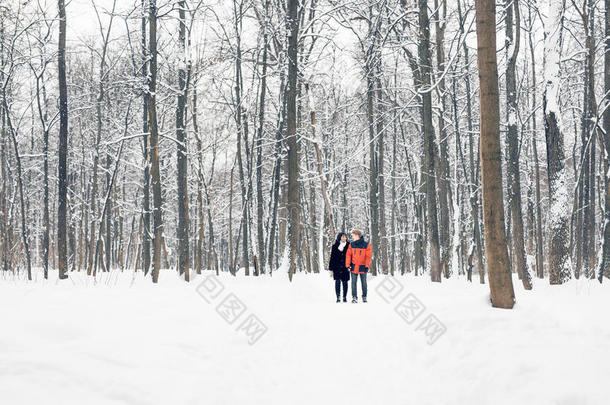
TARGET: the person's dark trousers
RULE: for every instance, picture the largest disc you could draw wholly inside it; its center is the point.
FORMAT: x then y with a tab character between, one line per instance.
338	287
355	284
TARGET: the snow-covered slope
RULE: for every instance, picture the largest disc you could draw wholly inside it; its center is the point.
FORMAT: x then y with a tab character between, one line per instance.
238	340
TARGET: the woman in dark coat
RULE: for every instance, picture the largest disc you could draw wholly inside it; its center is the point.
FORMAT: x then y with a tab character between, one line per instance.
337	265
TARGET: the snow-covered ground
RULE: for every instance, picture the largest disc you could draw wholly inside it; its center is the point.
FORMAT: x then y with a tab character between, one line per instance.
247	340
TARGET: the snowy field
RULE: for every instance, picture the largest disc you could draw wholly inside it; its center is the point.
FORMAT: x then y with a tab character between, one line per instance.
238	340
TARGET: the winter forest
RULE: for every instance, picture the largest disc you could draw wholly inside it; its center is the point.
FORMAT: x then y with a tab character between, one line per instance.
156	141
193	135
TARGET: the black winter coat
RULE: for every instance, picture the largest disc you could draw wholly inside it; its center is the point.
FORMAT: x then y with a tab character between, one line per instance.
337	262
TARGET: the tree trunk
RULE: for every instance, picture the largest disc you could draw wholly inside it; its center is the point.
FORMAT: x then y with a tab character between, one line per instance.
259	148
373	174
559	210
22	205
146	234
62	191
539	235
105	210
428	172
394	205
231	267
604	267
154	143
182	232
498	267
589	143
512	142
46	215
293	197
442	169
476	252
239	118
382	235
317	142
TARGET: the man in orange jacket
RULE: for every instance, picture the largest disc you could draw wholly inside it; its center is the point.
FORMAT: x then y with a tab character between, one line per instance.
358	259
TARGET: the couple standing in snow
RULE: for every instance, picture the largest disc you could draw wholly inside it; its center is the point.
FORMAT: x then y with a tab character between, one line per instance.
346	258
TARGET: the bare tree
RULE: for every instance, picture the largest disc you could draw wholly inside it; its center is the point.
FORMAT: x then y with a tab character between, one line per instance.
146	239
539	236
605	261
498	266
259	142
182	231
559	217
292	162
513	40
62	175
318	157
154	141
428	172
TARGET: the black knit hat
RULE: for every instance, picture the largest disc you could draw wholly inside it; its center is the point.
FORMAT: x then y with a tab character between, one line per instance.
339	235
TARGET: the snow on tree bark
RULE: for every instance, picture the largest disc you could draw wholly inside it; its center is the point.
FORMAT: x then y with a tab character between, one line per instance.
560	266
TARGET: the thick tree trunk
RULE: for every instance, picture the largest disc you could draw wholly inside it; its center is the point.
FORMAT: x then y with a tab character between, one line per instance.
498	266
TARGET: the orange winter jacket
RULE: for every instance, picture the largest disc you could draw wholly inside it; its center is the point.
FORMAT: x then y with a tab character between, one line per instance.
358	256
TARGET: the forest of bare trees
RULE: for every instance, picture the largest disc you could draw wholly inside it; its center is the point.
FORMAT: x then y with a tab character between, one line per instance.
465	137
